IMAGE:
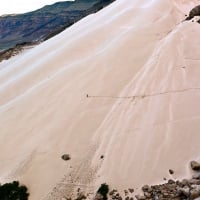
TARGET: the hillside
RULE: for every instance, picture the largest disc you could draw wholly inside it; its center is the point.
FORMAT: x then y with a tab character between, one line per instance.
44	23
118	91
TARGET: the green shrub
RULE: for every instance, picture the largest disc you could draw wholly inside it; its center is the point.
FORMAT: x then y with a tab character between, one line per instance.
103	190
13	191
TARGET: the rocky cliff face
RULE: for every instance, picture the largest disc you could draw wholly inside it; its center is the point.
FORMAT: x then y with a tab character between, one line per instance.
44	23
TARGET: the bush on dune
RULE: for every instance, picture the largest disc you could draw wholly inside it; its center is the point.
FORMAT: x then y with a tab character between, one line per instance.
103	190
13	191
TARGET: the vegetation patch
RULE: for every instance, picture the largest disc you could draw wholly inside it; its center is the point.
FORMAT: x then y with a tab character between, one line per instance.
103	190
13	191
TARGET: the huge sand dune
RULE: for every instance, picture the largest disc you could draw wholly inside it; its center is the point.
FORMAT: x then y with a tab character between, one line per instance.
139	64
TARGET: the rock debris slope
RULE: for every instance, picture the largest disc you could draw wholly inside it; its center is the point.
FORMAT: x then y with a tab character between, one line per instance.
119	92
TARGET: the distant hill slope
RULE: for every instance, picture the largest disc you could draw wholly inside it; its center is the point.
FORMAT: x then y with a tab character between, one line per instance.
44	23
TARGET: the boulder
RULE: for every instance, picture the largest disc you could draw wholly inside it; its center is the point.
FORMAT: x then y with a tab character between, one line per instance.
195	165
146	188
170	181
66	157
194	194
196	176
131	190
185	191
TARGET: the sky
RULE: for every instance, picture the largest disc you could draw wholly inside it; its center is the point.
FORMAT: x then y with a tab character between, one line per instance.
21	6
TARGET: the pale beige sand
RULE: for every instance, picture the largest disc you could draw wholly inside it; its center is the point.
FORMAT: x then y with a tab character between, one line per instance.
140	64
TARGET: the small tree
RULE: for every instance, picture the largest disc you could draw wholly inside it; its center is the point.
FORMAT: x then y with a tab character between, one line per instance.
13	191
103	190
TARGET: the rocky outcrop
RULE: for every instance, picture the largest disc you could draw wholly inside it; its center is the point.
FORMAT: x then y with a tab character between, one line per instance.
194	12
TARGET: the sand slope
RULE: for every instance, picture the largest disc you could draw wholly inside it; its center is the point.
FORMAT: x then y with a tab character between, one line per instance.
140	66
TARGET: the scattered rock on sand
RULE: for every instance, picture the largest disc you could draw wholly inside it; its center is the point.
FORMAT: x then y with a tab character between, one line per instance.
66	157
186	189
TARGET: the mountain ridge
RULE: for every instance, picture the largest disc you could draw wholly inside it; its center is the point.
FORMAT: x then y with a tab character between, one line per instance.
41	24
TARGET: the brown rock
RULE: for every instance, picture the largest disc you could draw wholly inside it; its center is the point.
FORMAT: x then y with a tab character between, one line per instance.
170	181
125	192
196	176
166	195
146	188
185	191
140	197
66	157
194	181
111	192
117	195
147	194
194	194
131	190
195	165
184	182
